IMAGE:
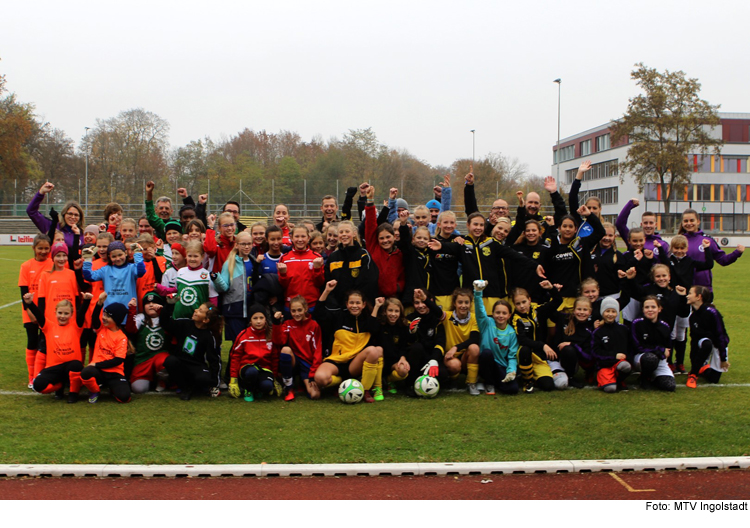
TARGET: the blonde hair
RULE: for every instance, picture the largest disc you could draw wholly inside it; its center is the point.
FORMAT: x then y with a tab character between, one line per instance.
232	256
607	225
440	217
350	225
570	328
194	246
679	241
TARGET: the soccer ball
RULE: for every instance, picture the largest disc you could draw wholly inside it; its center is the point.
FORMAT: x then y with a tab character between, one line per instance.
426	386
351	391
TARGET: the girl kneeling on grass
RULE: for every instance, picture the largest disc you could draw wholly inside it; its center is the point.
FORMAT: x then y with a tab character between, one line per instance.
708	338
394	338
497	360
107	366
573	336
353	355
535	357
651	337
301	343
611	349
64	356
151	343
253	361
195	364
462	338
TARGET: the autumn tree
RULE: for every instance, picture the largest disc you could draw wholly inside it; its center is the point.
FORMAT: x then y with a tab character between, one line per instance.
126	151
665	124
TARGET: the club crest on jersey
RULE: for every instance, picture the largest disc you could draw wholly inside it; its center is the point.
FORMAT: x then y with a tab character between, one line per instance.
535	255
309	265
269	345
605	339
486	251
355	272
155	342
188	296
204	275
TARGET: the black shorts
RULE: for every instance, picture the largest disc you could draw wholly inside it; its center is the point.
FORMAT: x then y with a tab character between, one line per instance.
343	368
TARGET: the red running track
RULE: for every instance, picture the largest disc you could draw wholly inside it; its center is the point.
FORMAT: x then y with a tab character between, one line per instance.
683	485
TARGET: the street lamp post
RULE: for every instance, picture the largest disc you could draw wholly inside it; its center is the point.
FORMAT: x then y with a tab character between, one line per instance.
473	136
87	170
557	157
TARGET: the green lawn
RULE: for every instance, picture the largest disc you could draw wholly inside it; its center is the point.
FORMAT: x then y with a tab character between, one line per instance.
575	424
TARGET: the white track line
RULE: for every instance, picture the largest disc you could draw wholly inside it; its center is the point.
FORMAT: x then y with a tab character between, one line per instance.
10	304
394	469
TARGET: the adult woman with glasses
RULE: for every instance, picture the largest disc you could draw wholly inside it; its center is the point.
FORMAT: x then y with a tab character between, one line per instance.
71	215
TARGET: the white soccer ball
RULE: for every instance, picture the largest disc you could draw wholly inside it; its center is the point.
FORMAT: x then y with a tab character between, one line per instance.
426	386
351	391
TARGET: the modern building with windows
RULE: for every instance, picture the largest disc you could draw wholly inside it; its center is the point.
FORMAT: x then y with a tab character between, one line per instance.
720	188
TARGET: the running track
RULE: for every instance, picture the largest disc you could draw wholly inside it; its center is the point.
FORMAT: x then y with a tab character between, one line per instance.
733	484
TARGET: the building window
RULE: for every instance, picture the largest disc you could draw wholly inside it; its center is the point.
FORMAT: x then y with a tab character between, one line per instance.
586	147
602	142
608	195
566	153
604	169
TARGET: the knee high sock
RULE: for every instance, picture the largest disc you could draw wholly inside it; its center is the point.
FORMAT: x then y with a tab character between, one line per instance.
369	373
40	361
679	351
525	363
472	372
395	376
75	381
91	385
30	361
379	375
335	381
51	388
286	369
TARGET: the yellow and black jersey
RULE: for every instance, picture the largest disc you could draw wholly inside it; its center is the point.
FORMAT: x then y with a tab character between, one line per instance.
531	328
350	334
460	335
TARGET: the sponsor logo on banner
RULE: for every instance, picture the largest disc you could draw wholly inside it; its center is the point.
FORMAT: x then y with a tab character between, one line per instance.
16	240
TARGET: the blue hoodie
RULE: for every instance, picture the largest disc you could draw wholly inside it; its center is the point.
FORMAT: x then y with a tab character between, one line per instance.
119	282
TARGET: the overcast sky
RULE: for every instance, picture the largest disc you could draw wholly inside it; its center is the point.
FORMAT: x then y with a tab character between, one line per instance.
421	74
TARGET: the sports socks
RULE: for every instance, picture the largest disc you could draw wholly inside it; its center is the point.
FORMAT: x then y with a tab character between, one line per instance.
472	372
30	361
369	373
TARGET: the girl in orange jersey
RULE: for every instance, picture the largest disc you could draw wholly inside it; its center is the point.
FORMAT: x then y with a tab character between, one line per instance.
88	339
108	364
63	347
28	281
58	284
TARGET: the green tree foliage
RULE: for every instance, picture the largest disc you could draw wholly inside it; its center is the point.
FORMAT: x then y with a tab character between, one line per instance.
665	124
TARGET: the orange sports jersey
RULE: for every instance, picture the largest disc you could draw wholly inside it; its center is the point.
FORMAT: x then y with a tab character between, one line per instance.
31	272
55	287
110	345
97	288
63	342
145	284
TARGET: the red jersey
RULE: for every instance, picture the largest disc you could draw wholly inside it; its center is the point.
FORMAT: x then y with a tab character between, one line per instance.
305	340
252	348
392	278
217	250
63	342
301	277
31	272
110	344
57	286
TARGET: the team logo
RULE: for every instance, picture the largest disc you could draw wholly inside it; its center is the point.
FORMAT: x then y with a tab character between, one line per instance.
355	272
269	345
309	265
188	296
190	345
605	339
486	251
308	337
204	275
535	255
155	342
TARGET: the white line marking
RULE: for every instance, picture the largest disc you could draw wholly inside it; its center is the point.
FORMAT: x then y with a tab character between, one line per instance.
13	260
10	304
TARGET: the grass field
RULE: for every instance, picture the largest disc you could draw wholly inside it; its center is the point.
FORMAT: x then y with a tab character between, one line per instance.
574	424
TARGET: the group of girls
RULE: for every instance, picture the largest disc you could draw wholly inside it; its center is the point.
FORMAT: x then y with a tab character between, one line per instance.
541	312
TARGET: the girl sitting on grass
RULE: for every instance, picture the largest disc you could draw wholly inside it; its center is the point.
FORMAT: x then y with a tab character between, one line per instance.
253	362
497	360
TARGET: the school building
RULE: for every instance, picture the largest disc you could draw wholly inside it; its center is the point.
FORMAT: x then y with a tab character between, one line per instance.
720	188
